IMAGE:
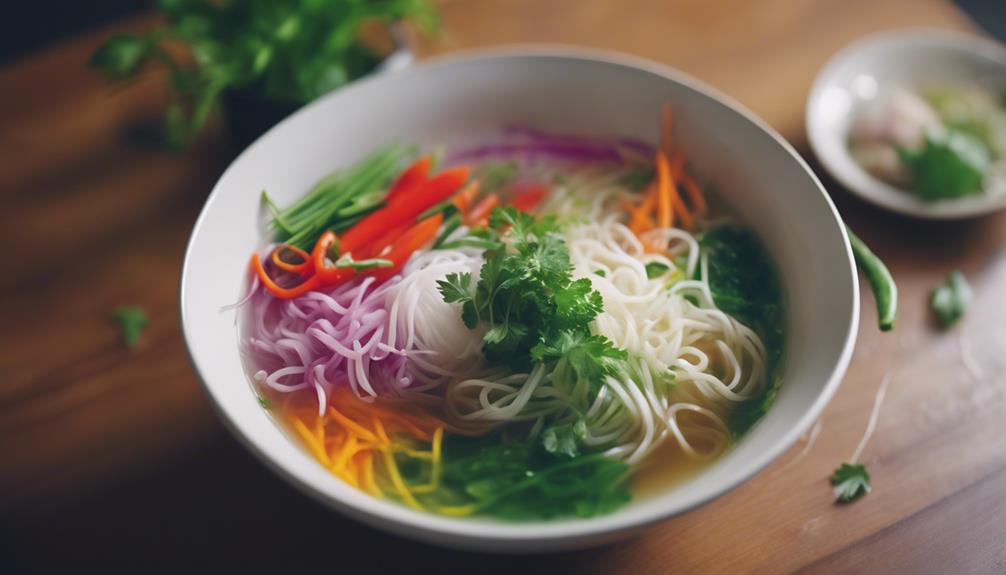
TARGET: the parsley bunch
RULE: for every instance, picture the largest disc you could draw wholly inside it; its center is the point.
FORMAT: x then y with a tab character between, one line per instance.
535	309
283	50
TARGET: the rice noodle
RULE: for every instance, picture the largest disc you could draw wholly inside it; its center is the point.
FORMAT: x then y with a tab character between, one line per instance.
691	362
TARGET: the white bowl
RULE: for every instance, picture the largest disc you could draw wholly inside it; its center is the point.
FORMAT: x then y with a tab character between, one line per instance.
905	58
460	99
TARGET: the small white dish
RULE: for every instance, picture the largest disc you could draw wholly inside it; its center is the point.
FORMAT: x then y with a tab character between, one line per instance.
468	98
904	58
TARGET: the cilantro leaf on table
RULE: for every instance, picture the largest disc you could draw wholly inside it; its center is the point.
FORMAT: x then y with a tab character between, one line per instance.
950	299
132	320
850	482
951	165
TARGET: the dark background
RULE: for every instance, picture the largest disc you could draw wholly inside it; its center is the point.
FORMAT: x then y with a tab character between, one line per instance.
34	25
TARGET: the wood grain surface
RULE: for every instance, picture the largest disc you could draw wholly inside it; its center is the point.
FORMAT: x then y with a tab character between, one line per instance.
112	460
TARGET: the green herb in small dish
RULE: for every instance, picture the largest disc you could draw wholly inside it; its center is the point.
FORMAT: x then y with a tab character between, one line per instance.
951	165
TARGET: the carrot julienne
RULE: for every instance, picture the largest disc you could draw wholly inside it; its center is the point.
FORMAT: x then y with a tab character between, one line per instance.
480	213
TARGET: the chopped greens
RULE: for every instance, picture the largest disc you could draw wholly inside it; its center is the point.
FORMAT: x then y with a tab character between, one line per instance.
744	284
951	165
526	293
263	402
339	199
656	269
347	261
950	299
564	439
132	320
850	482
518	481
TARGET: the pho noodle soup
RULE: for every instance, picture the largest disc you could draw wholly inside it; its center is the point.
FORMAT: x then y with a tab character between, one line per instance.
530	328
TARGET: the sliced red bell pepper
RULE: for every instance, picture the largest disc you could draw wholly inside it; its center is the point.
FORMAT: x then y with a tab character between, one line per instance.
403	209
414	238
374	250
527	196
412	177
328	275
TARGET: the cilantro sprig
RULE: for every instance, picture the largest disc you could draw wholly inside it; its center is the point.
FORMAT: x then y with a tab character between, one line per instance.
526	293
850	482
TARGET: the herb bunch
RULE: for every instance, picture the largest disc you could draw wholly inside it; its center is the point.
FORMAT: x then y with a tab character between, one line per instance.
535	310
283	50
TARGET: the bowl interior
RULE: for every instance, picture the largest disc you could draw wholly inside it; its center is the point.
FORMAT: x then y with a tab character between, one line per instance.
863	70
470	98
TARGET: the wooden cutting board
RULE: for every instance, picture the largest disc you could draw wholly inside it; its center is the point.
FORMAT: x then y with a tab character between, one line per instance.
113	459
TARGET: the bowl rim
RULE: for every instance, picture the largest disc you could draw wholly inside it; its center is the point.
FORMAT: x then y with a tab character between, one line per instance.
539	536
872	189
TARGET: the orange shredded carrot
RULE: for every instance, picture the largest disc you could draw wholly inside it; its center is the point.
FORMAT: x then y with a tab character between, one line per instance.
695	197
665	190
463	199
311	441
351	425
480	213
666	129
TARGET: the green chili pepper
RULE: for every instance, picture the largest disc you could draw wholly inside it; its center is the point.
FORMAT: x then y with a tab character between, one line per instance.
885	291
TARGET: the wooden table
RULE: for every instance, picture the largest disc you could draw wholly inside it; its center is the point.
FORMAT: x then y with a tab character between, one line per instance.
113	460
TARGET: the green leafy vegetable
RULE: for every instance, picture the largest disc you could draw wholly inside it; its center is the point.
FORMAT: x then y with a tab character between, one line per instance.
744	284
600	273
520	481
656	269
950	299
121	56
564	439
283	50
592	357
263	402
951	165
132	320
850	482
526	293
347	261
